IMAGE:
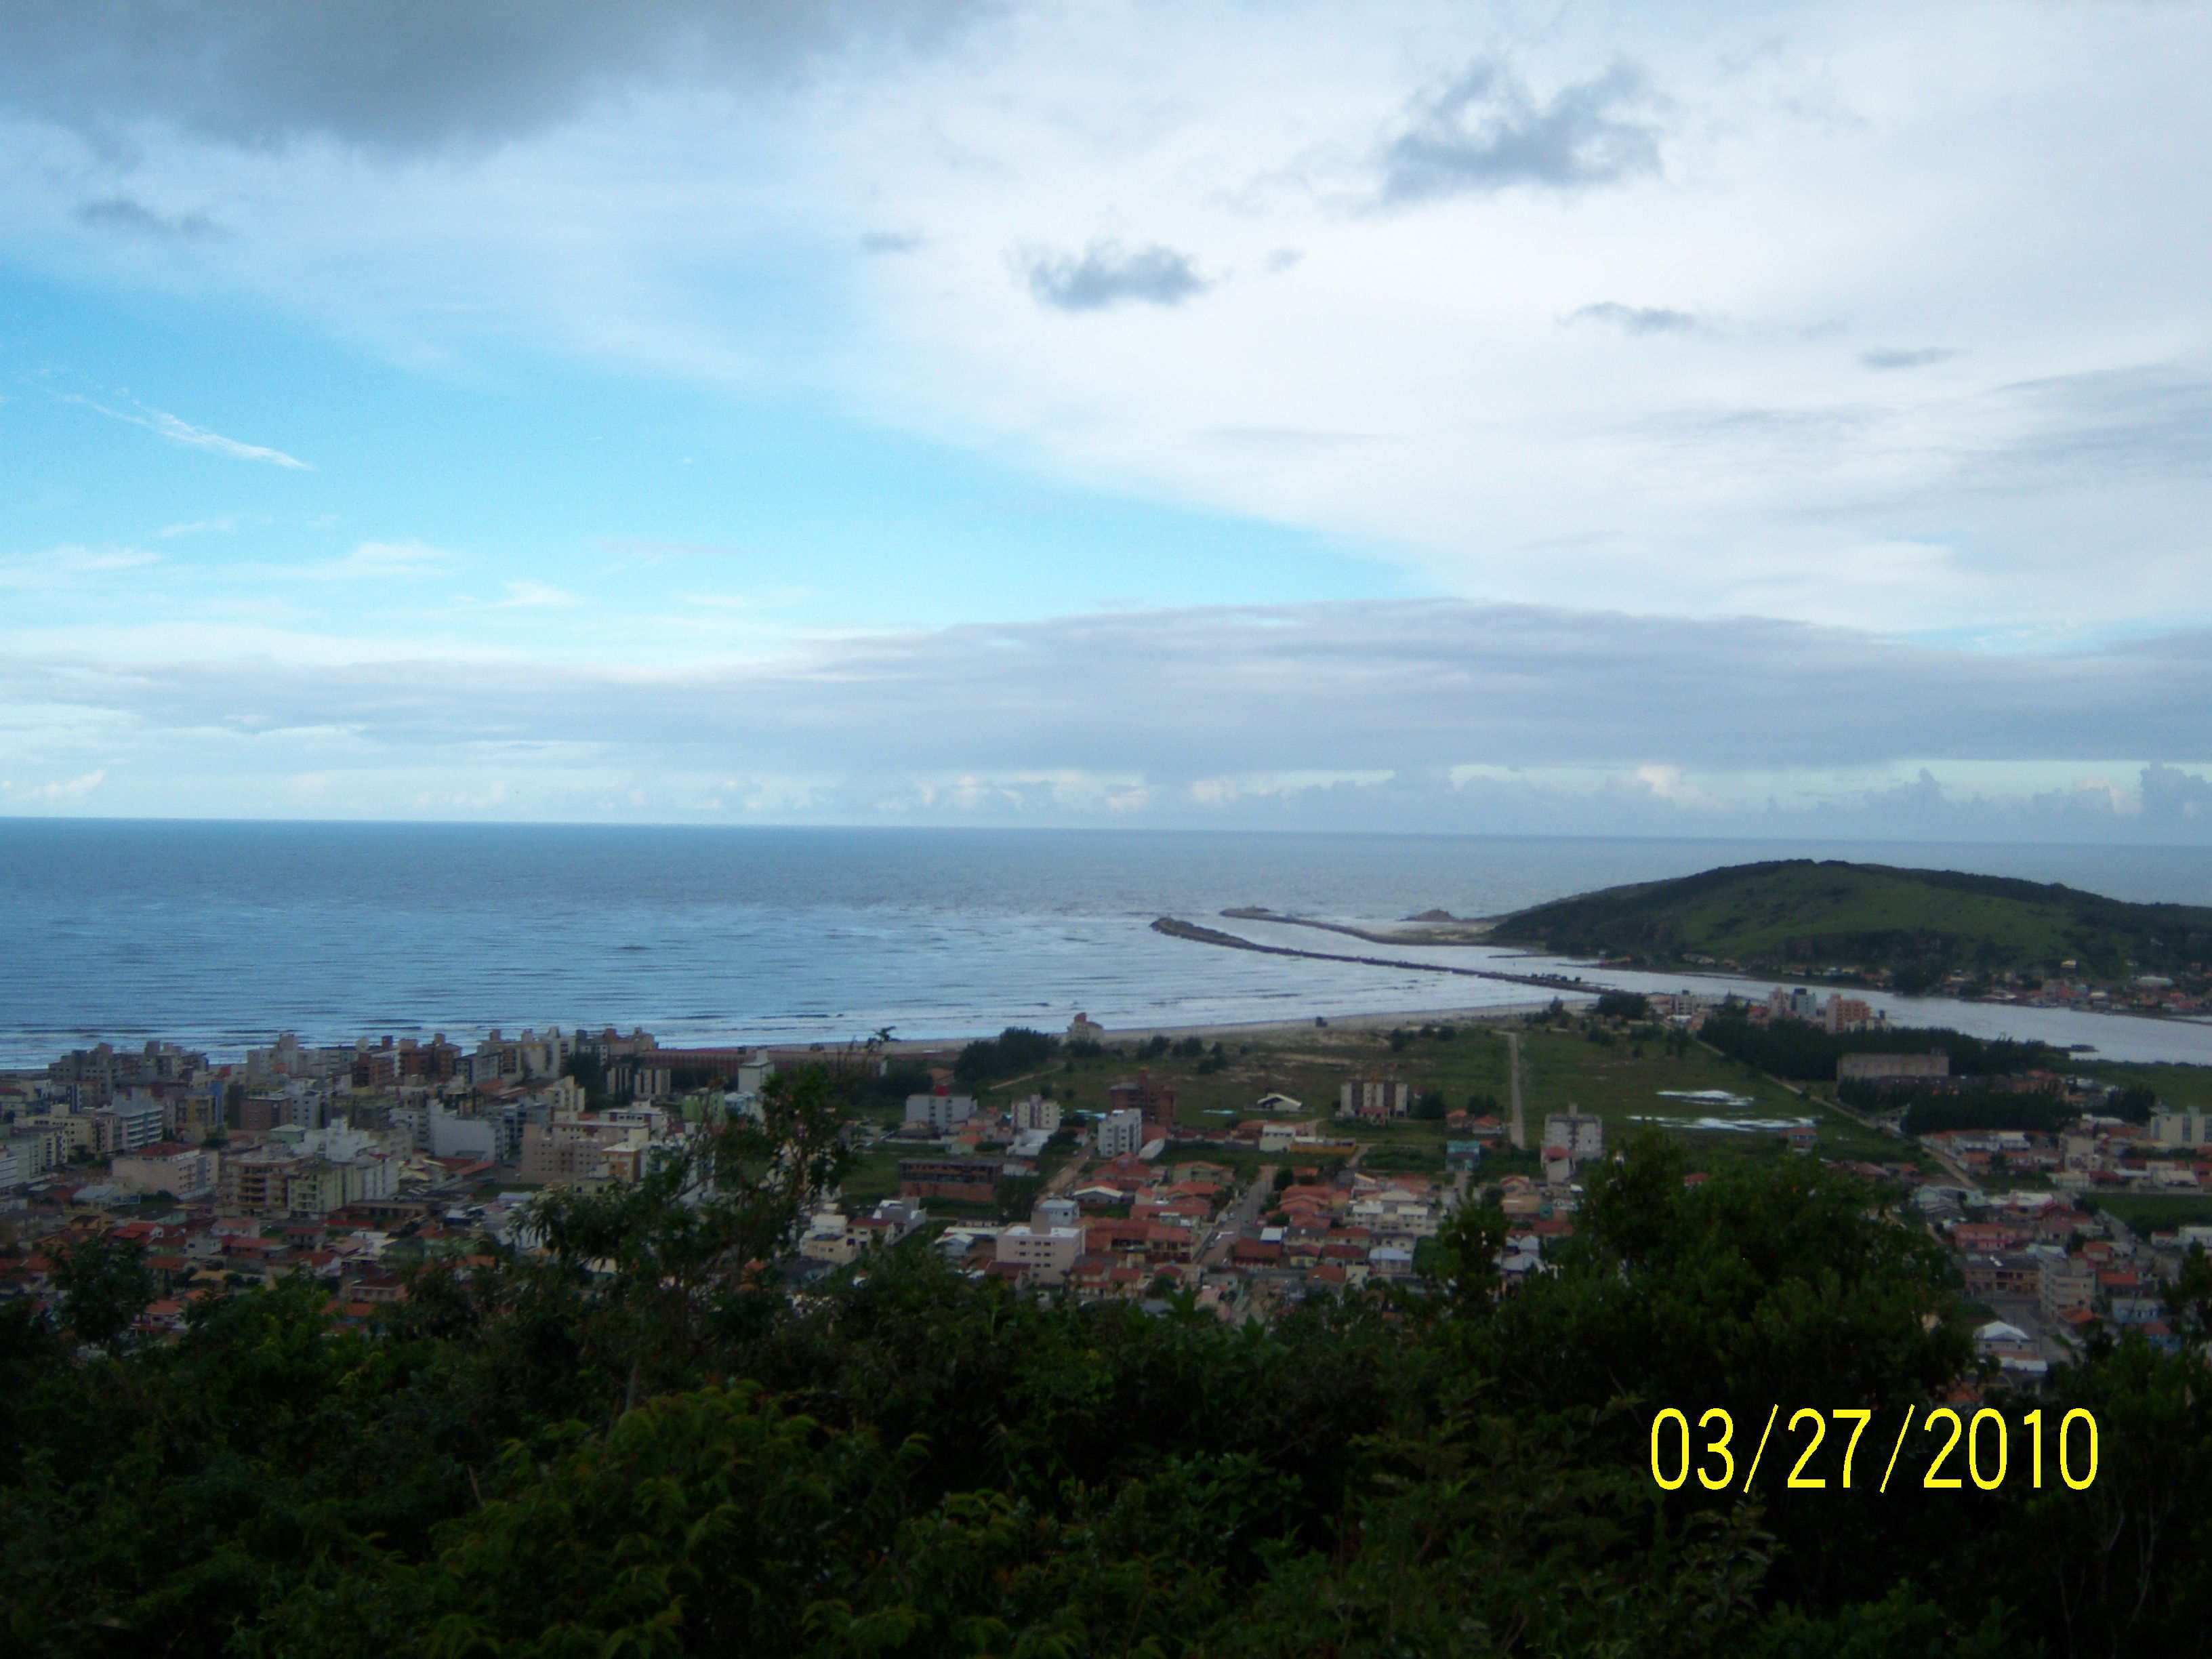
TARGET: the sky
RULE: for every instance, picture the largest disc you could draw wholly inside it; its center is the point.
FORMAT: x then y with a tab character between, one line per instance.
1713	419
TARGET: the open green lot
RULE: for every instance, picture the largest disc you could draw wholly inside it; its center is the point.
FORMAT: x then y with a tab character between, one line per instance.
874	1174
1618	1076
1624	1080
2151	1213
2177	1085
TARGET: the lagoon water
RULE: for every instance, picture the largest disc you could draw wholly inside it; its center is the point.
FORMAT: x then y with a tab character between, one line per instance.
219	935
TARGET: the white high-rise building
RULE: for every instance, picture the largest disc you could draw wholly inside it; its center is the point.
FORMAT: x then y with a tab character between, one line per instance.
1121	1132
1037	1113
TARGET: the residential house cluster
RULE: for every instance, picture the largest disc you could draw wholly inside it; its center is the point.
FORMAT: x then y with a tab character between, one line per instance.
1835	1014
1340	1232
359	1252
345	1162
2051	1269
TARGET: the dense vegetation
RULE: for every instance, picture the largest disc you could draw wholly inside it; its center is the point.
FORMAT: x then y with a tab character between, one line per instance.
636	1444
1930	1111
1925	1114
1916	926
1805	1052
1015	1050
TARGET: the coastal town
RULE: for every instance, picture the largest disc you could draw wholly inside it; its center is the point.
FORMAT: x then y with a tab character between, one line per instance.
357	1165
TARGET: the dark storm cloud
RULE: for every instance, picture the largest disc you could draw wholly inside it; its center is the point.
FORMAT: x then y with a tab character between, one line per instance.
1636	319
1107	274
1185	695
409	74
1485	132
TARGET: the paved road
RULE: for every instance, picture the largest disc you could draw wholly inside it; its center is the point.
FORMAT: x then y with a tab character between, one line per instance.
1221	1239
1068	1171
1520	1130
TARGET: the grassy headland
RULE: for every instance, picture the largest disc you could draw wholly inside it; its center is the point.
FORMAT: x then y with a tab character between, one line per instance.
1907	928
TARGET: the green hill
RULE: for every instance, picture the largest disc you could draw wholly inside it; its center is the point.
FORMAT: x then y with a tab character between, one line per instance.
1911	927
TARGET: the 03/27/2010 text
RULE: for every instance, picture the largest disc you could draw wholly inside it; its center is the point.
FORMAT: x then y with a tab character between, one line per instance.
1987	1437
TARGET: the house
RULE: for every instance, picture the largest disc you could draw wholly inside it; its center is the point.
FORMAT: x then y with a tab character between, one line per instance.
1998	1341
2001	1275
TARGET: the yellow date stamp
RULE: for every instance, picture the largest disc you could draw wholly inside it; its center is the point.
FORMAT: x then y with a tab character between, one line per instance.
1987	1438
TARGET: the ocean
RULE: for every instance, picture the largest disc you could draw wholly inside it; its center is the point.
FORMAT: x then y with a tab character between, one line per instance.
221	935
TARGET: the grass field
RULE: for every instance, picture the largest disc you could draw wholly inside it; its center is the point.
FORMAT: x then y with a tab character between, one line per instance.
1624	1081
1309	1070
2177	1085
1620	1080
2150	1212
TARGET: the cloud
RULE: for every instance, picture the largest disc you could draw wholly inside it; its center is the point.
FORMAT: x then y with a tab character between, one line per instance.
1485	132
1106	274
375	560
534	596
222	524
1635	319
1368	687
893	241
59	566
1920	357
56	794
400	75
193	437
634	548
122	213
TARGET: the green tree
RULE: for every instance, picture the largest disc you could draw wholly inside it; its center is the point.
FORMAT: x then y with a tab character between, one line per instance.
104	1284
